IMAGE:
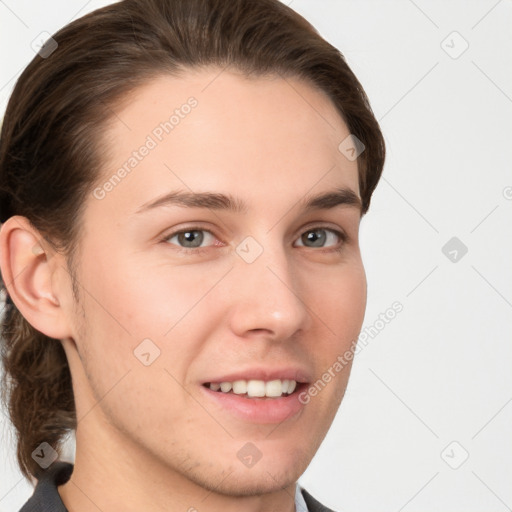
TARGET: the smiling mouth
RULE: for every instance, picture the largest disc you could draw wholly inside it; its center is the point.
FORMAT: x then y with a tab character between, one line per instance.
257	388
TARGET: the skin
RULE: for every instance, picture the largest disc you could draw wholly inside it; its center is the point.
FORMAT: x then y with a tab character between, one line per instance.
147	439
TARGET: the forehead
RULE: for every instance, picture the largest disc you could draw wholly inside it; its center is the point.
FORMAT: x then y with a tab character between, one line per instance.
259	138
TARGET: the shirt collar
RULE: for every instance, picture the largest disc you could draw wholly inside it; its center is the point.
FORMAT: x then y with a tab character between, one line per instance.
300	503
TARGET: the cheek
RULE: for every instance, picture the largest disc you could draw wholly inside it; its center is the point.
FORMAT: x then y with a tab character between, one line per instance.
338	301
128	315
161	302
338	298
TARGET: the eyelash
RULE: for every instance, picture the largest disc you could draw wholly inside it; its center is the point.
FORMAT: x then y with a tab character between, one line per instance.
200	250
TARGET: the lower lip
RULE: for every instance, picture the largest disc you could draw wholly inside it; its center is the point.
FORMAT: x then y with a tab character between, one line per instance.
258	410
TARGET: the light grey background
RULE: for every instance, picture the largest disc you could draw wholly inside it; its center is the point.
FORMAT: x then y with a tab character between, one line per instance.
434	385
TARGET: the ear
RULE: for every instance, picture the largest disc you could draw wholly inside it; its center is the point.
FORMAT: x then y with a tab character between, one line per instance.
29	268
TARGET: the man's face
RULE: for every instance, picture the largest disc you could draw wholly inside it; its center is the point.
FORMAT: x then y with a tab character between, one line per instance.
271	293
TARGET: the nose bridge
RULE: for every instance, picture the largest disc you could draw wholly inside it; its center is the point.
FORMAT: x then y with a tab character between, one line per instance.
268	288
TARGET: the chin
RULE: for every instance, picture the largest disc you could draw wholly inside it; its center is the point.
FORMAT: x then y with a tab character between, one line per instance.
251	482
268	475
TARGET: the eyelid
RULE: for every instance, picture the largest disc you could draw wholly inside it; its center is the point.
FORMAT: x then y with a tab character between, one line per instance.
309	227
340	233
191	250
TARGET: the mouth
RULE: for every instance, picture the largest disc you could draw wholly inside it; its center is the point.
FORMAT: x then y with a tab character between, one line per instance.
257	401
276	388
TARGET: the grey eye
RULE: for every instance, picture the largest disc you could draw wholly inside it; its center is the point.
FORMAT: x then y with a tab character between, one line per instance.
317	236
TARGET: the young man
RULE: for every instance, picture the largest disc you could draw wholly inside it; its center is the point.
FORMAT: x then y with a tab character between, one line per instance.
216	278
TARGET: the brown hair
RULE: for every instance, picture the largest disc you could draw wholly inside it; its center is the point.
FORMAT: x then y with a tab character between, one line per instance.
51	145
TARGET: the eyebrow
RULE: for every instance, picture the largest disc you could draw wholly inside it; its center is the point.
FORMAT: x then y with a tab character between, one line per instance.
218	201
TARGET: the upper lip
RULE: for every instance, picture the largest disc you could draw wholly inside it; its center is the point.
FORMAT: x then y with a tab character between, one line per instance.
296	373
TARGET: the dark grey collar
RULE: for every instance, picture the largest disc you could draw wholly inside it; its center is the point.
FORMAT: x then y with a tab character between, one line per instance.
313	504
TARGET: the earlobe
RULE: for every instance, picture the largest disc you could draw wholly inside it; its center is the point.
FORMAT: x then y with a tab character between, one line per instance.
28	263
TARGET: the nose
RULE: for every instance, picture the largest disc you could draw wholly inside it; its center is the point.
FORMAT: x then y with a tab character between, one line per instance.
268	296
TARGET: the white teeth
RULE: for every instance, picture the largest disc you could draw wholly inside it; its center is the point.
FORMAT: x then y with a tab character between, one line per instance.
240	387
225	387
274	388
257	388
